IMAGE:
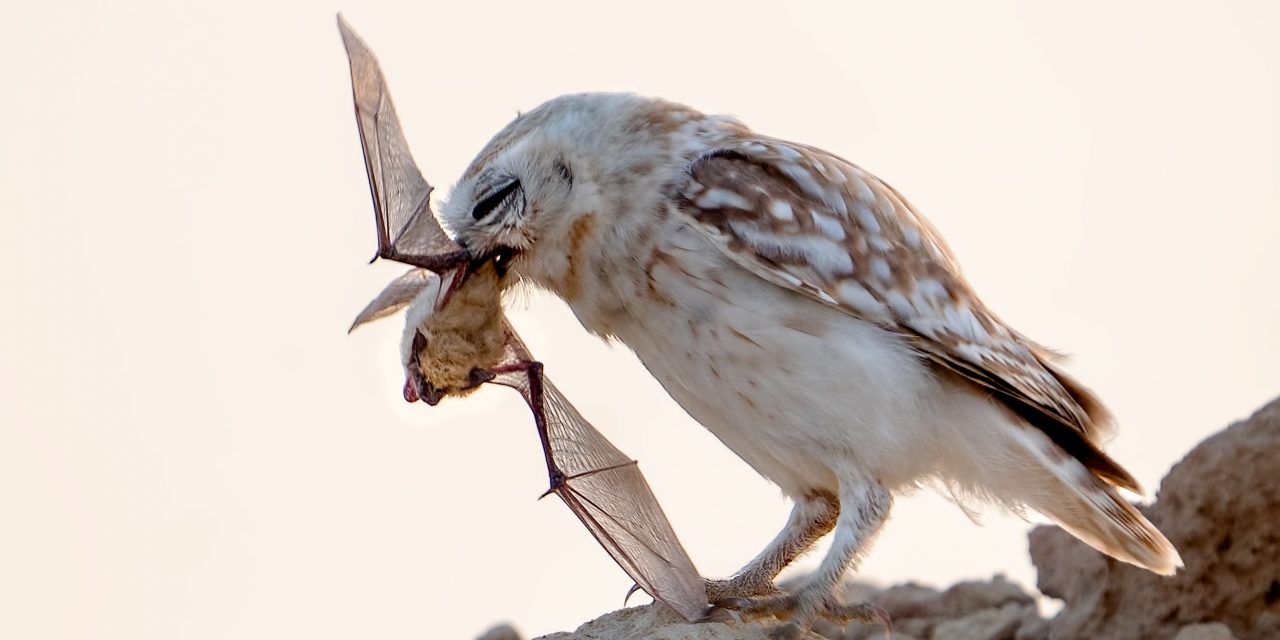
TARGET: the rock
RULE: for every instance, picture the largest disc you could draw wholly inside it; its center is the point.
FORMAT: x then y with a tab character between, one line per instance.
1208	631
967	597
992	610
1219	506
983	624
1032	626
500	632
657	622
909	600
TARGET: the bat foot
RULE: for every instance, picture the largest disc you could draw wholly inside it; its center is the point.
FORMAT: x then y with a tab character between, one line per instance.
801	609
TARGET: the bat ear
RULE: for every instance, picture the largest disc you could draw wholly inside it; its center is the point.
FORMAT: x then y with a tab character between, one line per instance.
395	296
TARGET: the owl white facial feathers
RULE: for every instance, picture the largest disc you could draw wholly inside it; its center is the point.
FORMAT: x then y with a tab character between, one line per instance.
800	309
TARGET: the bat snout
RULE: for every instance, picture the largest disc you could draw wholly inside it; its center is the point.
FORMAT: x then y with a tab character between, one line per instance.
410	395
416	387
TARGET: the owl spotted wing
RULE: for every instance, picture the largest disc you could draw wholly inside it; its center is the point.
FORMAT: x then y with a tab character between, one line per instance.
408	231
815	223
606	490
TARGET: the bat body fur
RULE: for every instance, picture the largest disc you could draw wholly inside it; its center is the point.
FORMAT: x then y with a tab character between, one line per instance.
464	335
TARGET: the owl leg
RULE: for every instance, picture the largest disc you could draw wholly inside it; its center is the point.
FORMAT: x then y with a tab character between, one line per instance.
864	505
812	517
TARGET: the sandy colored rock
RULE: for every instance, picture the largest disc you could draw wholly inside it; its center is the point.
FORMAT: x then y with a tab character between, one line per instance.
1208	631
1032	626
967	597
984	624
1219	506
657	622
500	632
979	610
909	600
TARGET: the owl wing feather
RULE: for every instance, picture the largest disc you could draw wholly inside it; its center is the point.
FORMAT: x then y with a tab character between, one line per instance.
817	224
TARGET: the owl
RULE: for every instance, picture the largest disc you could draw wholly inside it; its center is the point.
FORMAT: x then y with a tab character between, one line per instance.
801	310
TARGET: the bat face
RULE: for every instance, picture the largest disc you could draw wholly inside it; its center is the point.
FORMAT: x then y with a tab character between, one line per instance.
451	339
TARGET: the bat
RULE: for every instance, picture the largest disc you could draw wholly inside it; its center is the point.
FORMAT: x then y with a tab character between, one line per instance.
458	338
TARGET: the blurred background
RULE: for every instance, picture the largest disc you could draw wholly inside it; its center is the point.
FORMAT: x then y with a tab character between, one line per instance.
192	447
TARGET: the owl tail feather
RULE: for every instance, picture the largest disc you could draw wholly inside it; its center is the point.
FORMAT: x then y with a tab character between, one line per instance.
1093	511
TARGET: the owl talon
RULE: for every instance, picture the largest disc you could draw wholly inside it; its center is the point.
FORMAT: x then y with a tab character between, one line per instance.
739	587
721	614
731	604
802	610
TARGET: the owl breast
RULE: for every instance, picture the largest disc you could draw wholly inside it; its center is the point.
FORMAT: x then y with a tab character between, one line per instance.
794	387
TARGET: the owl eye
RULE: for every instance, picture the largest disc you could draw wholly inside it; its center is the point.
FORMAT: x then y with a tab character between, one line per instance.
491	202
502	260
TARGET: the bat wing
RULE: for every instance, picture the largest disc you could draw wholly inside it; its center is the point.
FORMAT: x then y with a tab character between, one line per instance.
609	494
395	296
408	231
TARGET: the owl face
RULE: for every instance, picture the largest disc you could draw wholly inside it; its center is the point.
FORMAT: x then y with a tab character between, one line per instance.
578	155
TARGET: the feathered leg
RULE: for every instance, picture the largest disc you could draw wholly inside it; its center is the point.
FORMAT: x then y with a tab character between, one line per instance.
812	517
864	505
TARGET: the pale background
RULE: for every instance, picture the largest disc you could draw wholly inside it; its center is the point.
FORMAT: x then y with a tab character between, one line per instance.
194	448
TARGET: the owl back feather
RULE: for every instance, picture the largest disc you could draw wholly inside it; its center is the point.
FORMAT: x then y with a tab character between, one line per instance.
813	222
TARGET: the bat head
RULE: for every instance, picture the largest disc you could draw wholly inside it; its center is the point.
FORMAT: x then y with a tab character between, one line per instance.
454	328
453	335
525	196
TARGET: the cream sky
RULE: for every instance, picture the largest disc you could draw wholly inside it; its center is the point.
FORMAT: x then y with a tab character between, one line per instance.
193	447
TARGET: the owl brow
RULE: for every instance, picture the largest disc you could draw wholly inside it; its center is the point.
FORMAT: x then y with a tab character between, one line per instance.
491	202
565	172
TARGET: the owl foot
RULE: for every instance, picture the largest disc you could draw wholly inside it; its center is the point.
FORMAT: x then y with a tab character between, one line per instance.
741	586
801	609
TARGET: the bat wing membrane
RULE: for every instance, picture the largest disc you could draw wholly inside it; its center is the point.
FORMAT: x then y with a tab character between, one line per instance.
396	296
609	494
408	231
